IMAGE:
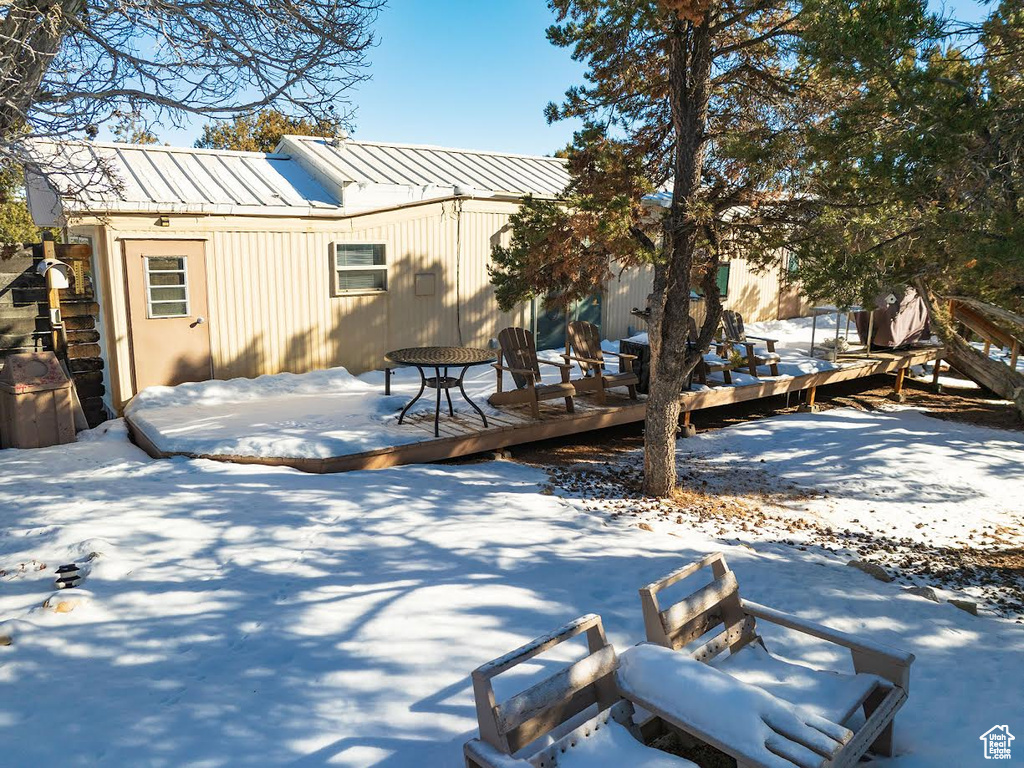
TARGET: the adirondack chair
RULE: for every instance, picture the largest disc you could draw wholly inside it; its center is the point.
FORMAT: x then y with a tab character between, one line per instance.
733	334
585	349
735	660
710	363
540	728
519	354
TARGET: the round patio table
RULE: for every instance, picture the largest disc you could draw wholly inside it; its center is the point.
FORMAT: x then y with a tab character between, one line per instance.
440	358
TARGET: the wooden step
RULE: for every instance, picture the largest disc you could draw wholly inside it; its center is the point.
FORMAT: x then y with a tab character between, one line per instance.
87	389
19	325
74	337
11	274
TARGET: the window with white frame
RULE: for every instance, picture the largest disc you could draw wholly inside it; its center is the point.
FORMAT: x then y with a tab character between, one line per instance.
359	267
166	286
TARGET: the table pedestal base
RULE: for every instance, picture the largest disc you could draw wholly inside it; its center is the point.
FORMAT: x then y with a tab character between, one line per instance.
441	382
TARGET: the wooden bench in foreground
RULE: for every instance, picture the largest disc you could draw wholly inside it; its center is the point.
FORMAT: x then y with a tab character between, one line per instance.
704	675
716	627
567	719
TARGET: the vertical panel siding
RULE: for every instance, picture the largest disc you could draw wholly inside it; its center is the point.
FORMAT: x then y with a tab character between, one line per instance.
269	284
624	292
753	294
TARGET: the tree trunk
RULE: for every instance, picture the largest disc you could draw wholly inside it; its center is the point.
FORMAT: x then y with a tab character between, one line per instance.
671	359
985	371
671	363
30	36
660	427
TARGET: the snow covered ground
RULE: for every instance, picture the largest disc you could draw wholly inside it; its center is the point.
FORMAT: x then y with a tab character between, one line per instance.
258	616
936	503
887	474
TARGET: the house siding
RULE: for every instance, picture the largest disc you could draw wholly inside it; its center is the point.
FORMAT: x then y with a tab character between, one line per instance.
269	282
271	307
627	289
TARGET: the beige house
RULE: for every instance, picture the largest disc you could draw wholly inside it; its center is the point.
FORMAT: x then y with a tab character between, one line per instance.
327	252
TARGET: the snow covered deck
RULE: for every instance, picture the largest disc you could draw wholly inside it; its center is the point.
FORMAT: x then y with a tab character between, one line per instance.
330	421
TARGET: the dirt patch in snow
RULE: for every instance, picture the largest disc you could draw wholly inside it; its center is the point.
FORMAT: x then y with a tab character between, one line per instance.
966	405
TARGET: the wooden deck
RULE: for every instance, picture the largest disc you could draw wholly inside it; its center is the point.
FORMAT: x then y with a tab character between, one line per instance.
464	434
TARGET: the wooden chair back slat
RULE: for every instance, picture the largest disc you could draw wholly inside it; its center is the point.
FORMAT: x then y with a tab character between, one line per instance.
699	613
585	342
572	679
535	712
538	710
712	605
733	322
727	638
519	351
681	573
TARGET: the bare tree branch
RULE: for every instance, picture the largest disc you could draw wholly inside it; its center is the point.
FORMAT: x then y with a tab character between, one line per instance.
70	66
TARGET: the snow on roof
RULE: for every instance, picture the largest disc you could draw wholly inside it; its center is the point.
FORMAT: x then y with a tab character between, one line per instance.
151	178
372	162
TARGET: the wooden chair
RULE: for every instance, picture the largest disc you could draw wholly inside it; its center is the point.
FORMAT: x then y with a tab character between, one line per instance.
733	334
709	363
585	349
520	359
824	701
540	727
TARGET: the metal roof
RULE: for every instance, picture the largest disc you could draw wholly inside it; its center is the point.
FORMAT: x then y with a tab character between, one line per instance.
371	162
151	178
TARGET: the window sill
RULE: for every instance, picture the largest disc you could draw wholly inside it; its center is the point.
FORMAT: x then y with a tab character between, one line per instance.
368	292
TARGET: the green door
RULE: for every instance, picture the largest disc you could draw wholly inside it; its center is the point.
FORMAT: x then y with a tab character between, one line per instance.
550	327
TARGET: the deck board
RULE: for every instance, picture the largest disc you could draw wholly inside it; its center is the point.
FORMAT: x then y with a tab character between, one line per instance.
464	434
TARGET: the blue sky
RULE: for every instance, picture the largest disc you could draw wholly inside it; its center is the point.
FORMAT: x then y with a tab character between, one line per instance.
466	73
469	73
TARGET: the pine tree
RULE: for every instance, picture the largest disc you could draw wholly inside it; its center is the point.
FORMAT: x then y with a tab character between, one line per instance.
708	101
262	132
922	168
16	225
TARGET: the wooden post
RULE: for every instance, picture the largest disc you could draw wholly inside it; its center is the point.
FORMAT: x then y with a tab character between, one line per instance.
935	373
897	386
57	337
1014	354
809	405
688	429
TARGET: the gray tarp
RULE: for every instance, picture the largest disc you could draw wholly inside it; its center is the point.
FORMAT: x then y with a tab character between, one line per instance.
900	319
